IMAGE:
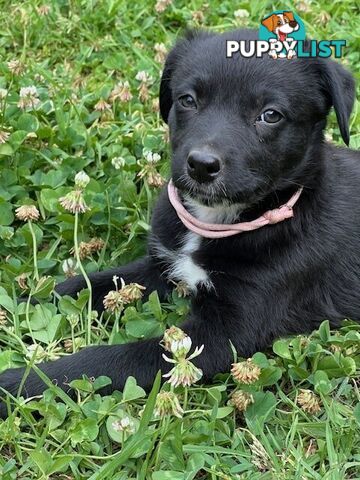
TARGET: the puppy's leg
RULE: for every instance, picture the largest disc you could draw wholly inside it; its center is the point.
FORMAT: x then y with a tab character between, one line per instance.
90	361
141	359
143	271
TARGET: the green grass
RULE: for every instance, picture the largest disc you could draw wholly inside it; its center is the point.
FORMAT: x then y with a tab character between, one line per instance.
75	56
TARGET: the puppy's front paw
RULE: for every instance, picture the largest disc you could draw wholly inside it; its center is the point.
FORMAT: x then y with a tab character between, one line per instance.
273	54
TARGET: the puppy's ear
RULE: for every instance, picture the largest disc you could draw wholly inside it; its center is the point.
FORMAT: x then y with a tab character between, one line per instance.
269	22
180	50
289	16
165	94
339	87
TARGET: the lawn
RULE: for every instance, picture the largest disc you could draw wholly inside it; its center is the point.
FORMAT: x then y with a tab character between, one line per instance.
79	82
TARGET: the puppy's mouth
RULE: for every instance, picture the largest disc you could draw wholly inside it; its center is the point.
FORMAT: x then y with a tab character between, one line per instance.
215	194
207	194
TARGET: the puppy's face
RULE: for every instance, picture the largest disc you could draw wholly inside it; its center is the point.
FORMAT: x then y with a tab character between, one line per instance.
241	128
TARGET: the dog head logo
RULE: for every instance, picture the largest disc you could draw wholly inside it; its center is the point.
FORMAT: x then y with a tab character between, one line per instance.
283	29
281	24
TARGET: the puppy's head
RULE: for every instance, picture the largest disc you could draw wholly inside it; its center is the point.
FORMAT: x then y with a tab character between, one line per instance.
241	128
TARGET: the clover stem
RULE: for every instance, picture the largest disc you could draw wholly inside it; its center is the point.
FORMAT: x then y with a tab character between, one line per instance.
36	271
86	278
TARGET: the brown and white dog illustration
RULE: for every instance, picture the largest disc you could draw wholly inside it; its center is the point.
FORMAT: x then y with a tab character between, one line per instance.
281	24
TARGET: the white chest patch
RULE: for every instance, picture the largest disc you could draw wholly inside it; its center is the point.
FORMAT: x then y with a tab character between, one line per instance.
182	266
217	214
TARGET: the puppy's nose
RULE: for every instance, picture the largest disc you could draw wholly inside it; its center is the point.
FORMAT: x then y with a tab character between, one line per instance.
293	23
203	166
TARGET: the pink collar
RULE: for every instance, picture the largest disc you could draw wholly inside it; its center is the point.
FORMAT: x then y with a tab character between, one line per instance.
216	230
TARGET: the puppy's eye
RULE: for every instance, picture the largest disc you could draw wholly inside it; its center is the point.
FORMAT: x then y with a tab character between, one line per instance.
187	101
269	116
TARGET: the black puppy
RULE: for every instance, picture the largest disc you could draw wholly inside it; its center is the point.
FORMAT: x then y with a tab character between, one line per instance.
246	134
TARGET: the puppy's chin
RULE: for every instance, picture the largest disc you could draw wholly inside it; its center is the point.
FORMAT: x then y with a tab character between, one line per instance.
208	195
215	195
203	194
212	200
209	202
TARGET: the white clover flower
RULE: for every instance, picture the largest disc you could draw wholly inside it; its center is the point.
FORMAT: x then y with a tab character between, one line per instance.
143	77
3	317
180	348
4	136
122	92
69	267
184	373
26	91
125	95
102	106
170	335
147	155
125	425
161	52
81	180
167	404
309	401
131	292
118	162
241	13
140	76
113	302
29	97
74	202
39	78
27	213
16	67
43	10
144	94
3	93
241	400
245	372
151	157
39	354
154	179
35	351
161	5
303	6
68	264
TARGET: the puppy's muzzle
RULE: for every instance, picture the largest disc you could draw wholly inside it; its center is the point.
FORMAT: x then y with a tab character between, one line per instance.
203	166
